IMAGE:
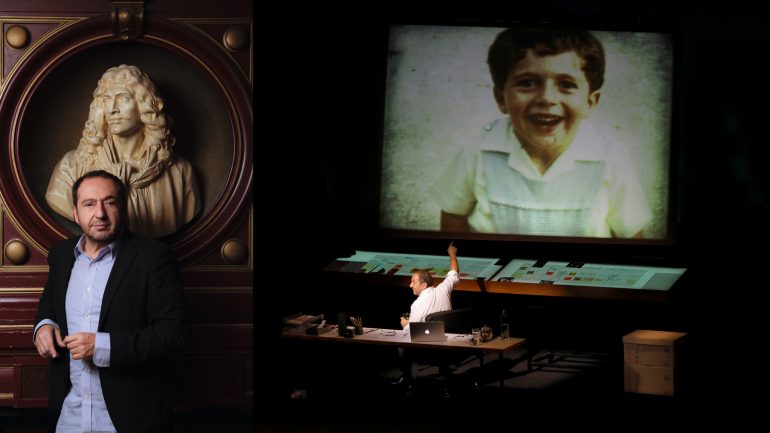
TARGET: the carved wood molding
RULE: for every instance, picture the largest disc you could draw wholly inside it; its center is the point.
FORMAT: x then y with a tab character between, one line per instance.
128	19
38	29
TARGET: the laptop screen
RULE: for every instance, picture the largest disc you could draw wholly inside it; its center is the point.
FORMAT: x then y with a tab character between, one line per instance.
427	331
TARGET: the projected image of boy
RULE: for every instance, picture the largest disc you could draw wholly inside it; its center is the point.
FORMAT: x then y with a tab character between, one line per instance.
543	169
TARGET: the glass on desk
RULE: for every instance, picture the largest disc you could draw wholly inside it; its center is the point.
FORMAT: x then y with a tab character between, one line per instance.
476	336
504	331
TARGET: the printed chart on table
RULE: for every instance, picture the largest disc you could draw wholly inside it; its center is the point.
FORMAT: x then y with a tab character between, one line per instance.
589	274
402	264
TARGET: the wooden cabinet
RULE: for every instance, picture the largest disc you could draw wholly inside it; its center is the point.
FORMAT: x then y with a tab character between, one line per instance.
651	360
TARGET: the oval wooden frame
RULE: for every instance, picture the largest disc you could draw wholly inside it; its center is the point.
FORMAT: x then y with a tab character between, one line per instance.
190	242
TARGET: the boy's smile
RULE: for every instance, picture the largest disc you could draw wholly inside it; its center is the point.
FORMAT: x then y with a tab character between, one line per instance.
546	98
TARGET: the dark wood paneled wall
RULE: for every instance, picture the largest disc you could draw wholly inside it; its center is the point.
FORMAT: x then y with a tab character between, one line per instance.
211	43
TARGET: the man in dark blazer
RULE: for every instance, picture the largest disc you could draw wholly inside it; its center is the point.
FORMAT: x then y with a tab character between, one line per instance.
140	319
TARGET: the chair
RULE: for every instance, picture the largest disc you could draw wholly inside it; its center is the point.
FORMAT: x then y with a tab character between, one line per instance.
459	321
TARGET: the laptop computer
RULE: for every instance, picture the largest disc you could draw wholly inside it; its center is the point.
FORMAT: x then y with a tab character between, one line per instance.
427	331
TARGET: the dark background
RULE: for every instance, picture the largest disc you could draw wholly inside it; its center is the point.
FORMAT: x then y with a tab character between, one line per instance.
323	79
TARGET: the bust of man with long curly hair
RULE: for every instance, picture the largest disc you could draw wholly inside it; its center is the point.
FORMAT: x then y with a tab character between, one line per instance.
128	134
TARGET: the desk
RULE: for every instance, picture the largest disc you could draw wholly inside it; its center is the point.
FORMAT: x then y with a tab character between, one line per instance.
401	338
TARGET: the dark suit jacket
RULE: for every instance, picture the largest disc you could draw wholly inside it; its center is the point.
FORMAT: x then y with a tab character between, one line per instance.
143	311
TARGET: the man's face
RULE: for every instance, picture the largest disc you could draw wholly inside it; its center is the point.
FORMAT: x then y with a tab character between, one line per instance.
417	285
121	111
546	98
98	210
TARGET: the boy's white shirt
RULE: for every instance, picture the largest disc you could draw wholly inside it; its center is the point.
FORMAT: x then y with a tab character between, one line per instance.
458	194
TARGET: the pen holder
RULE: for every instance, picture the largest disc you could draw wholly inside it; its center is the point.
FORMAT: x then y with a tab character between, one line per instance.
358	326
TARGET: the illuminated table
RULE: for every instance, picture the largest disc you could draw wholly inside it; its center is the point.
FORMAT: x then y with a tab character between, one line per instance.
519	276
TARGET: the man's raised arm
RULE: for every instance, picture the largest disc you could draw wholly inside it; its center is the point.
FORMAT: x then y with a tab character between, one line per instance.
453	265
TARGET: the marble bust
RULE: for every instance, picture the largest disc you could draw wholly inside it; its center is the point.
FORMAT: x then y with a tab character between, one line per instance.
128	134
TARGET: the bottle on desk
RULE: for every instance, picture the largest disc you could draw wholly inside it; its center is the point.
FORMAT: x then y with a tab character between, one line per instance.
342	325
504	326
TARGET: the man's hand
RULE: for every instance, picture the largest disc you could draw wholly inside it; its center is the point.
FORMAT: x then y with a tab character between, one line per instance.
44	341
81	345
453	263
452	250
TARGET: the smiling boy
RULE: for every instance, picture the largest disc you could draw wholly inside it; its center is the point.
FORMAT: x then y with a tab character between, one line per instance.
543	170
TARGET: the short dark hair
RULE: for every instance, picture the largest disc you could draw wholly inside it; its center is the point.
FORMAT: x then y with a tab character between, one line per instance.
424	276
103	174
511	45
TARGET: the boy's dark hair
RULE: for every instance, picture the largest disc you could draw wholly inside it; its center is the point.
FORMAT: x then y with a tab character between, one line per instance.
106	175
511	45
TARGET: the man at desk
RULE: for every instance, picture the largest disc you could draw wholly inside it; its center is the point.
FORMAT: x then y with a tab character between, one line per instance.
429	300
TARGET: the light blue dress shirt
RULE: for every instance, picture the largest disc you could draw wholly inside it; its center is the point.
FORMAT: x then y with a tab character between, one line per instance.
84	409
